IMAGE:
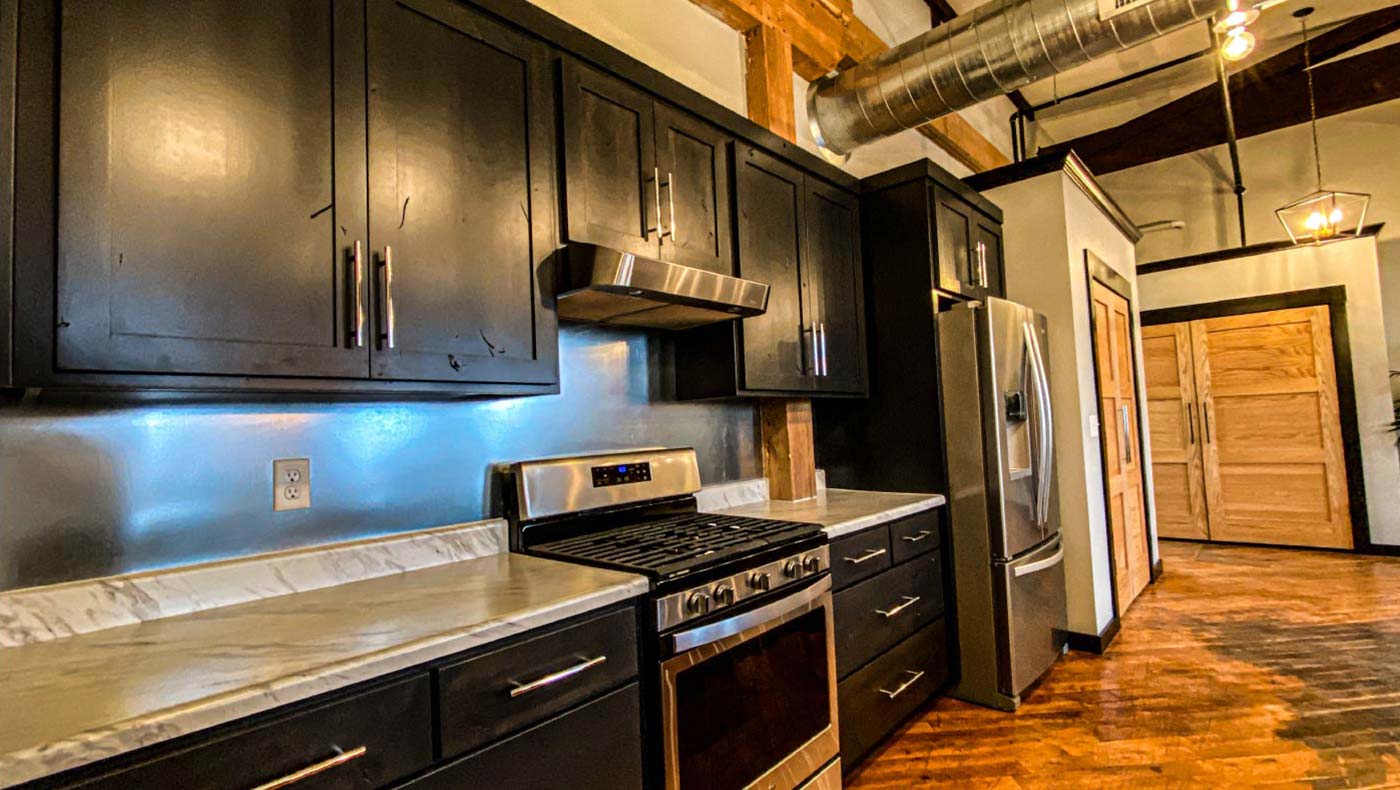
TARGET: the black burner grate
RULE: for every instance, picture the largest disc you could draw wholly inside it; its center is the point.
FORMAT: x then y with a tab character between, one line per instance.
668	546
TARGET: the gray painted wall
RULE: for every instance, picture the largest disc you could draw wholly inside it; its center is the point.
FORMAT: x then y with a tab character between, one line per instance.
91	487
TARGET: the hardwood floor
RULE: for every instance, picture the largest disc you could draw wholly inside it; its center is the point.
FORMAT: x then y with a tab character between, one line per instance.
1240	667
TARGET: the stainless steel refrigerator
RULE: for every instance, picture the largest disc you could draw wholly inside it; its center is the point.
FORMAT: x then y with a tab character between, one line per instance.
1008	557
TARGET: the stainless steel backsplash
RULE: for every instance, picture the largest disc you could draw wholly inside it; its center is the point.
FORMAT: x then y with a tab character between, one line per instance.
90	486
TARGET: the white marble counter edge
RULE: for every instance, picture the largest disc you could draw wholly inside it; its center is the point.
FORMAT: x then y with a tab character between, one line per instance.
159	726
843	528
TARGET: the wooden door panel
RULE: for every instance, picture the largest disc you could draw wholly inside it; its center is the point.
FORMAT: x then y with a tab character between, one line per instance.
611	190
693	158
461	189
1178	484
210	187
1116	375
1274	470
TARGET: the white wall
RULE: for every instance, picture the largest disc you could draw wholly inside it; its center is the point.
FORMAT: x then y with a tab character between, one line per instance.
686	43
1354	265
1049	223
1360	153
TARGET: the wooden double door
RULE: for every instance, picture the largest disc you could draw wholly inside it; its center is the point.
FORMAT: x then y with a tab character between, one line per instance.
1119	420
1246	429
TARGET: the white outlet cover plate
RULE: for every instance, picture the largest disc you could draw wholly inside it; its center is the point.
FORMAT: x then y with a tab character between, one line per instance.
291	484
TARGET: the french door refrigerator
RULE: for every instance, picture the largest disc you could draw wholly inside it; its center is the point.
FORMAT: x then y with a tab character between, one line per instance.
1008	557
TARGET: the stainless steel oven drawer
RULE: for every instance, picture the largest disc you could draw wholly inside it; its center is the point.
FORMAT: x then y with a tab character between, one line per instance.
487	696
876	699
879	612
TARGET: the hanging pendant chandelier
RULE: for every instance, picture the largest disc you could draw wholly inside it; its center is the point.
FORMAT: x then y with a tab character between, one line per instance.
1325	213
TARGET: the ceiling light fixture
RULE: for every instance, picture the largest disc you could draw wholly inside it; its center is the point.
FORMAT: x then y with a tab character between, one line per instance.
1237	45
1238	41
1239	15
1325	213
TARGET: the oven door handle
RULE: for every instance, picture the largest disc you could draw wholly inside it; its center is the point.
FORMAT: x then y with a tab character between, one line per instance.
706	634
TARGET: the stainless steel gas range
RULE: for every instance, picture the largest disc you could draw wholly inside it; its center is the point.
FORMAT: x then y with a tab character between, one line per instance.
739	657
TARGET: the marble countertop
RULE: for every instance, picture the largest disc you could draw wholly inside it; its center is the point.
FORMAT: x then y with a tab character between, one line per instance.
78	699
841	511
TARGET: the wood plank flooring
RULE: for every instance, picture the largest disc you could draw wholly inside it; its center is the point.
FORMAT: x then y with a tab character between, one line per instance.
1240	667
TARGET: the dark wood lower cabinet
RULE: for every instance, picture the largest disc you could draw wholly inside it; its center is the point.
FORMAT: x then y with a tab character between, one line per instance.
879	612
876	699
595	747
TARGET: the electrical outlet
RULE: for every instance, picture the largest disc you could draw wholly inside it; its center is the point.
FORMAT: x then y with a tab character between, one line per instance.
291	484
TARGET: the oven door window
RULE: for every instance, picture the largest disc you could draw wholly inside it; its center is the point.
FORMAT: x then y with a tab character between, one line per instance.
740	712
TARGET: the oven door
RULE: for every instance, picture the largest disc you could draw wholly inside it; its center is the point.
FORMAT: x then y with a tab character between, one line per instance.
750	700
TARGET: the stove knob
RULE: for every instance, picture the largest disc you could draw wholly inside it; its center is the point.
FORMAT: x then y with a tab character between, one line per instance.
792	568
724	594
811	563
758	580
698	603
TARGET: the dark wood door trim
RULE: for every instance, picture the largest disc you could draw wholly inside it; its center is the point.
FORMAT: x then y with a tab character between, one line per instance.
1335	299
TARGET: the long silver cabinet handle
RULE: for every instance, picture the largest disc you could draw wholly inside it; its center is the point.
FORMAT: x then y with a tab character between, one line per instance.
915	538
908	601
868	555
357	261
313	769
656	188
826	367
671	196
905	685
389	318
555	677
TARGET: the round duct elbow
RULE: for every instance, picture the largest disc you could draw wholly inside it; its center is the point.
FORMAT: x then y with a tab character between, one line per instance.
989	52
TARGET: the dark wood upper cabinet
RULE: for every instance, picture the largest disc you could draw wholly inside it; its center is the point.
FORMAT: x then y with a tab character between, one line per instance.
834	288
462	199
801	236
210	188
693	160
612	191
986	244
643	177
967	248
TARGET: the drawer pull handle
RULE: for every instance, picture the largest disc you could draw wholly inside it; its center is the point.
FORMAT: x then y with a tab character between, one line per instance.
555	677
920	535
869	555
315	768
903	686
909	600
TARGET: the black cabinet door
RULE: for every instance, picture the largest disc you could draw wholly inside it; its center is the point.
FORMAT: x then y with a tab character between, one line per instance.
986	245
211	187
833	271
771	200
612	187
953	252
461	196
693	160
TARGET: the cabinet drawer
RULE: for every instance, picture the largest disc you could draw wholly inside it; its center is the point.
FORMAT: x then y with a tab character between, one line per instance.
393	723
878	612
595	747
475	705
915	535
859	556
876	699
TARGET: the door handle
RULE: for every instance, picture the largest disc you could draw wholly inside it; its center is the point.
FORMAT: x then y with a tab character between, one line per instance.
1190	422
1125	445
1040	565
555	677
671	196
825	370
923	533
869	555
905	602
389	319
656	189
313	769
357	262
977	265
905	685
1205	416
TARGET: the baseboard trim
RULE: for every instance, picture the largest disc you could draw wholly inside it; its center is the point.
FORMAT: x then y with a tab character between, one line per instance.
1096	644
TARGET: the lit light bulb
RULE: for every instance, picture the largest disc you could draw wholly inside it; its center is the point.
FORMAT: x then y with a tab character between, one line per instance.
1238	44
1237	17
1335	217
1315	221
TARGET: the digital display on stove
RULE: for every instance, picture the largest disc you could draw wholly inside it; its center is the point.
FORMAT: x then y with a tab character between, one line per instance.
621	473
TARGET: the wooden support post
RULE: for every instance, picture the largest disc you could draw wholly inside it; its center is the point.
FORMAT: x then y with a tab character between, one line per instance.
768	79
789	459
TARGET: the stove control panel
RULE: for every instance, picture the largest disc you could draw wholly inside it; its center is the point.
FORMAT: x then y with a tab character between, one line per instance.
720	594
618	474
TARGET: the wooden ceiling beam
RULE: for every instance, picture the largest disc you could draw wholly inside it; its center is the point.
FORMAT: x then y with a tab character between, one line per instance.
1269	95
825	36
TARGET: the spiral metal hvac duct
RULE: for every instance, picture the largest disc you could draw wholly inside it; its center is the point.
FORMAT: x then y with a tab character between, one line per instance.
997	48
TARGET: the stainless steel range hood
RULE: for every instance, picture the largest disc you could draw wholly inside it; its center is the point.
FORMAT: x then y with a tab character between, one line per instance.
605	286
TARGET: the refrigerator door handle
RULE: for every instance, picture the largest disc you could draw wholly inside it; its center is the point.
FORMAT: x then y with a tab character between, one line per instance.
1044	426
1040	565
